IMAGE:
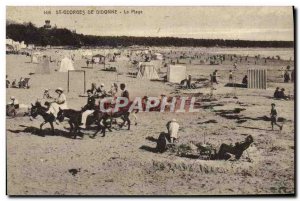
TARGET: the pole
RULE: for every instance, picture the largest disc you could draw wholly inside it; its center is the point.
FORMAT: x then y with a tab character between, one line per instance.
68	81
84	84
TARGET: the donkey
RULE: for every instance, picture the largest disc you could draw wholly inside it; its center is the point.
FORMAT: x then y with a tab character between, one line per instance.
75	120
124	115
38	109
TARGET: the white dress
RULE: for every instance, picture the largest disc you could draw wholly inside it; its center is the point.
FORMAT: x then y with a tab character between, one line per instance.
173	130
61	103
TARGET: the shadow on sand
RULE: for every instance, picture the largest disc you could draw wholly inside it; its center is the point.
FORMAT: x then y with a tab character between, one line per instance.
254	128
147	148
42	133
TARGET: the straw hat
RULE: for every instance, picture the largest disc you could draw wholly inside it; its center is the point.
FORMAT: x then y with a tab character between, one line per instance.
59	89
12	98
174	120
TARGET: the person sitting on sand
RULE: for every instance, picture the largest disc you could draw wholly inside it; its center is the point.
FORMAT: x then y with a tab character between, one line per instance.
245	80
14	102
282	95
21	83
14	83
173	128
277	93
88	109
274	117
7	82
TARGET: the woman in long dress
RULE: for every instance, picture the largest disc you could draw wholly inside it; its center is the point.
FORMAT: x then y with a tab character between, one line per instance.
59	102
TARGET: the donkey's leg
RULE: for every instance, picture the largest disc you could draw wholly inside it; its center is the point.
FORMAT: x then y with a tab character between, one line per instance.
52	127
124	121
42	124
71	126
135	118
106	125
128	120
103	127
41	127
77	130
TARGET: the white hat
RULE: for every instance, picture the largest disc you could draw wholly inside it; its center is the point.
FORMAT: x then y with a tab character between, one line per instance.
12	98
174	120
59	89
102	85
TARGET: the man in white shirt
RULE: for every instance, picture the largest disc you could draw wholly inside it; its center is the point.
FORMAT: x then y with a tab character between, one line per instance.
173	128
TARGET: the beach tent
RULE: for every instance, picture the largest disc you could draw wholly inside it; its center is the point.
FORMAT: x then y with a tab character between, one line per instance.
157	56
98	58
44	66
9	48
147	72
35	57
66	65
176	73
86	54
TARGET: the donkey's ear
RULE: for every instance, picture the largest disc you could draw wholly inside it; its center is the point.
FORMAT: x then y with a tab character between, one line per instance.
59	109
31	104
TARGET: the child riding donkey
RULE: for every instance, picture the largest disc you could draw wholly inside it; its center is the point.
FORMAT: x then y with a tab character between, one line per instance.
88	109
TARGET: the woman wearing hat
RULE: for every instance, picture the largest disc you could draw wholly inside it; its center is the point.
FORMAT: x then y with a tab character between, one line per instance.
100	92
59	102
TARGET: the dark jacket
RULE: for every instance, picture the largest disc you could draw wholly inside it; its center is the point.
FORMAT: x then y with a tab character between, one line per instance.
90	103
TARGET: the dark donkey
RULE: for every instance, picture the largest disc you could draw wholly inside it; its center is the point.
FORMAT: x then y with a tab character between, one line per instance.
75	121
124	115
38	109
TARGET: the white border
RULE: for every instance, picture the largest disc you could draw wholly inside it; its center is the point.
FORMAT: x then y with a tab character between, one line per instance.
5	3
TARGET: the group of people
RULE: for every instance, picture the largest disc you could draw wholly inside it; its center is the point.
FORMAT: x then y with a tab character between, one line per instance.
100	92
53	104
22	83
287	76
279	94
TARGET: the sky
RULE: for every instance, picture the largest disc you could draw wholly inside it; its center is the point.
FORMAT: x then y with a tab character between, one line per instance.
243	23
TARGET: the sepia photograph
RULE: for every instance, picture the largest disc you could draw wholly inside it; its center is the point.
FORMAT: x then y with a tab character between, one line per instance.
150	101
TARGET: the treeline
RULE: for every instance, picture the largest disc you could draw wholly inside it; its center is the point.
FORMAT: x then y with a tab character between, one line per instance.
64	37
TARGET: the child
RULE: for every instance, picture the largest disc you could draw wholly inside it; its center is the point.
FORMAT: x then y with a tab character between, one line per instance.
274	117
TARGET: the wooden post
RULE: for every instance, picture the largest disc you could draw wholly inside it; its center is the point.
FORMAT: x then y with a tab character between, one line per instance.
84	84
68	81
